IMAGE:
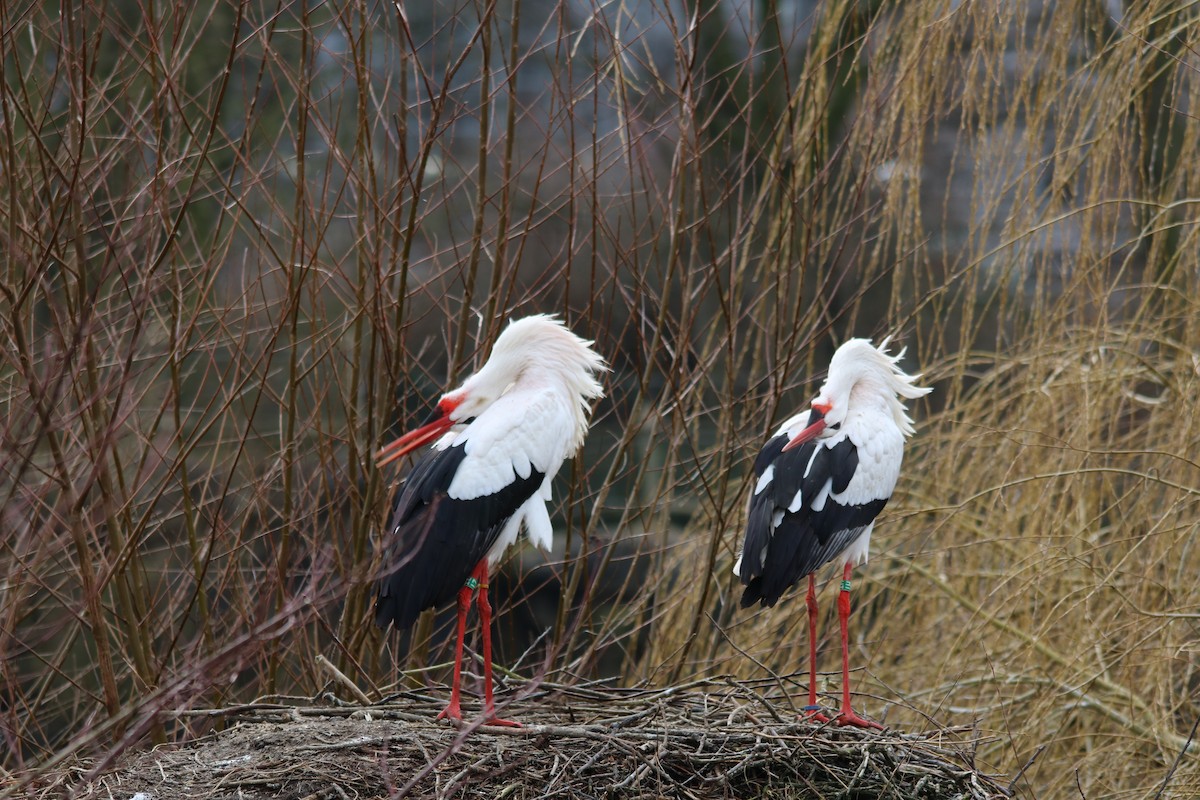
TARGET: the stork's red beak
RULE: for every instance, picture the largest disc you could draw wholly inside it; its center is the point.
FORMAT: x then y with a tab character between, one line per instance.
816	424
433	428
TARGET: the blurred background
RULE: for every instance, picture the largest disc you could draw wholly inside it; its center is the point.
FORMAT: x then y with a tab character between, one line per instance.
244	243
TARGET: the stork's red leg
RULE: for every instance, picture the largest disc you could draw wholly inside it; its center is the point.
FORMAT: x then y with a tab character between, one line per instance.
847	715
454	709
812	710
485	626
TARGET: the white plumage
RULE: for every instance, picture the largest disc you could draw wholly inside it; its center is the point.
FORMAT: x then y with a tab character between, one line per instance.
822	479
497	442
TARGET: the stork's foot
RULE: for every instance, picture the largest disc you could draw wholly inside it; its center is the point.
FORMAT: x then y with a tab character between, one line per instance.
452	711
848	717
813	714
502	723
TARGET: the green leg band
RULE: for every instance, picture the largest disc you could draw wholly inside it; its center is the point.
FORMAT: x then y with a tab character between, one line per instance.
845	586
472	583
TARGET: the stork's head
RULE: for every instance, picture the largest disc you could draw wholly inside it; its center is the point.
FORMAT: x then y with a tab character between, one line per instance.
860	376
530	350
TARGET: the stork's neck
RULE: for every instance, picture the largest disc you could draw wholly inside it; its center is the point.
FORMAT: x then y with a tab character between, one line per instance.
574	386
875	402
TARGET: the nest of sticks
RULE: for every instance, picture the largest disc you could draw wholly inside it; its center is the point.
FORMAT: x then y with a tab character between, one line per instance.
703	740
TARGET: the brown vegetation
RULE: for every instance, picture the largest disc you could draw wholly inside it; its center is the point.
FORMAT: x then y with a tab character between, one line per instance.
702	740
242	241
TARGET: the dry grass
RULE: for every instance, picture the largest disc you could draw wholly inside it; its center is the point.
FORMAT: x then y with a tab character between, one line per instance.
205	335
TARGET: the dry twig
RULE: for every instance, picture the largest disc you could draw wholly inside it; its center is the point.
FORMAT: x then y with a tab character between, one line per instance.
695	742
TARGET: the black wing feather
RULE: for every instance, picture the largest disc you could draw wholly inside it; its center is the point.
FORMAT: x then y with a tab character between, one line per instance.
769	453
843	465
437	540
803	540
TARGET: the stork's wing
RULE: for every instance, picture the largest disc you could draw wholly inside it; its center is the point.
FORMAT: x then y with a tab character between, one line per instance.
437	539
794	525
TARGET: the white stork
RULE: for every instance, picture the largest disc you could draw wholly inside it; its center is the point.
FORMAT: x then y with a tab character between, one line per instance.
822	480
498	439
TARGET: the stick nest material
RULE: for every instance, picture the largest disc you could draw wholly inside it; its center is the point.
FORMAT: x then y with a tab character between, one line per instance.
704	740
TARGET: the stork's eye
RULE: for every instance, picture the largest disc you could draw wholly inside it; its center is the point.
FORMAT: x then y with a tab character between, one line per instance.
835	426
467	421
